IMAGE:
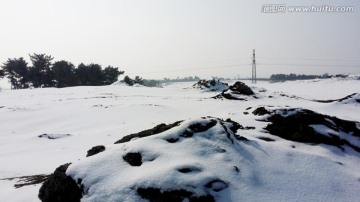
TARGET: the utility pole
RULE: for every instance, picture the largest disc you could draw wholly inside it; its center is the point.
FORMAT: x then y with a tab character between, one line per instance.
253	78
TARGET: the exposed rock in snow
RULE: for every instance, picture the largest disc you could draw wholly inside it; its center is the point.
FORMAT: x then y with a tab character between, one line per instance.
95	150
303	125
59	187
53	136
260	111
238	91
211	85
153	131
195	160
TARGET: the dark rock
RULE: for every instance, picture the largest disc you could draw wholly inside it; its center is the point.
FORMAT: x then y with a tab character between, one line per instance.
236	169
95	150
189	169
156	130
266	139
185	170
229	96
158	195
241	88
248	108
211	85
339	163
235	125
295	126
198	127
238	88
260	111
187	133
59	187
172	140
134	159
241	138
53	136
246	113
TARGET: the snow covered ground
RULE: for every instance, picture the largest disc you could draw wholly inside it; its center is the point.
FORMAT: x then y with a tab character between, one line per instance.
41	129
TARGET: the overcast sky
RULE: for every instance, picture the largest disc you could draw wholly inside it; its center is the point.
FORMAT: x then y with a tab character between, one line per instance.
170	38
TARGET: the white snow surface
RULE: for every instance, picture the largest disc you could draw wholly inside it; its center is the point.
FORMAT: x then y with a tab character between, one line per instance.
269	171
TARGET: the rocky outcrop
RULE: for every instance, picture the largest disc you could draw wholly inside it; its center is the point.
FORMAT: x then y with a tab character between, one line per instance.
307	126
159	165
238	91
59	187
211	85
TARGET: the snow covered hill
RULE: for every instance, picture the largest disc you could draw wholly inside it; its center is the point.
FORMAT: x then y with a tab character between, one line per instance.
42	129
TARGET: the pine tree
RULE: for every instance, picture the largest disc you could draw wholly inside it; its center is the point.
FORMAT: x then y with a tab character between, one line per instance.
17	72
111	74
64	74
128	81
90	75
40	71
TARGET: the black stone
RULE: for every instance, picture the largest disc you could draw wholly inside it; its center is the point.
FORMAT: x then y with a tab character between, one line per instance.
198	127
241	88
266	139
260	111
296	127
95	150
134	159
59	187
156	130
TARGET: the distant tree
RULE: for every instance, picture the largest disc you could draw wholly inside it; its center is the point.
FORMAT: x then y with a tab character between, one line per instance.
64	74
128	81
151	83
184	79
138	80
111	74
16	71
90	75
40	71
292	77
2	74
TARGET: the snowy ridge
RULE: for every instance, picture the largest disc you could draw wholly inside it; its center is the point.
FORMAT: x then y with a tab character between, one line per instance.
198	156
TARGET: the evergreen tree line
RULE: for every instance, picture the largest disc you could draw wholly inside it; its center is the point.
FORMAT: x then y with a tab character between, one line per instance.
184	79
138	80
45	73
291	77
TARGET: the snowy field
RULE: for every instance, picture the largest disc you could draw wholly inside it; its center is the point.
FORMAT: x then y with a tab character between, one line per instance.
70	121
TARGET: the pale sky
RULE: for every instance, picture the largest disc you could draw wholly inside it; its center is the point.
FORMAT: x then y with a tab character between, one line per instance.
170	38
